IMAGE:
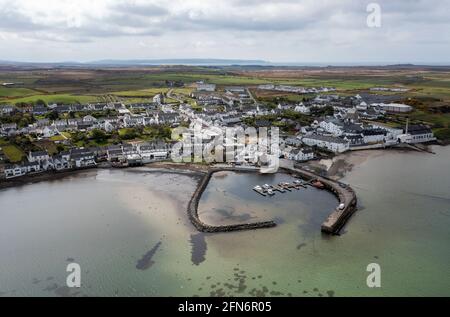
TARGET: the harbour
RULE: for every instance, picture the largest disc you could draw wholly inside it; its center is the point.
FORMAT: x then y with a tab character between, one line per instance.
406	233
269	190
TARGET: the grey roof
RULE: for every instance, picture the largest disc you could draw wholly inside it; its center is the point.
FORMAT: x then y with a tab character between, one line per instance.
326	138
78	151
38	153
419	129
374	132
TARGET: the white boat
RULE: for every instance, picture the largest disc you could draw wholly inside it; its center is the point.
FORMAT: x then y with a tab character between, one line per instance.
266	186
270	192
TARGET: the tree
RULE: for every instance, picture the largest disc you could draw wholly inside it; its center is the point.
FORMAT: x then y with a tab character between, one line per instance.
99	135
53	115
41	102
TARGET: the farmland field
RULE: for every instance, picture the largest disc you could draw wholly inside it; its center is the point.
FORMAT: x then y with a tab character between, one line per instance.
429	85
57	98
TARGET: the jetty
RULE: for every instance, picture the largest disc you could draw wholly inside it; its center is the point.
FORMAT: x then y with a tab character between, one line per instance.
344	193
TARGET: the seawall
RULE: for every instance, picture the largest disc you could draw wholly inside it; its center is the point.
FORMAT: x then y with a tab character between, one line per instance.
332	225
203	227
344	193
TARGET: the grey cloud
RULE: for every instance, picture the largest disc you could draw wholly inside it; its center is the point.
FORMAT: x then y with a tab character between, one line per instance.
246	27
147	10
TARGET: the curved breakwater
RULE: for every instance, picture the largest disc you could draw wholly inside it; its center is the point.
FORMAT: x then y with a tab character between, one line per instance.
203	227
333	224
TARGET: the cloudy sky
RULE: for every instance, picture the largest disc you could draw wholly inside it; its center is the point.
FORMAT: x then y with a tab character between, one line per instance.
309	31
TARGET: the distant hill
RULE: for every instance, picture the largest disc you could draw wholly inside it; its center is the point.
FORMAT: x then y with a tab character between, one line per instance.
112	63
189	62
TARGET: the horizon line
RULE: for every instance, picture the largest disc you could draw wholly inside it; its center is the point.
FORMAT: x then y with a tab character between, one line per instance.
220	62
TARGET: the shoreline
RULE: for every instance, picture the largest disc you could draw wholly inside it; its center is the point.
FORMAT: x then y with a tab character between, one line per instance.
41	177
58	175
334	168
338	167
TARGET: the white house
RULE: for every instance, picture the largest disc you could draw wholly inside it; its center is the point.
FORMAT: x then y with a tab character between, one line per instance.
374	136
12	171
49	131
89	119
332	126
132	121
299	154
206	87
302	109
38	156
60	162
32	167
82	158
6	110
153	151
333	144
158	99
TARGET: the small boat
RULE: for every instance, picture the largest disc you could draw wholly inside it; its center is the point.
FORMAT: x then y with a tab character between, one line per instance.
285	186
270	192
341	207
318	184
266	186
259	190
299	183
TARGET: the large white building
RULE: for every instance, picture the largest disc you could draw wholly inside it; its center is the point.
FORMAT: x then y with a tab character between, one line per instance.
332	126
417	134
333	144
206	87
394	107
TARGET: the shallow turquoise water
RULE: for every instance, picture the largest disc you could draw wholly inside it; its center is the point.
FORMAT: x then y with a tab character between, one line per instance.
112	222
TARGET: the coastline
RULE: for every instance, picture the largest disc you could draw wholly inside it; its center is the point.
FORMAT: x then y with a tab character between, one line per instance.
334	168
339	166
54	175
41	177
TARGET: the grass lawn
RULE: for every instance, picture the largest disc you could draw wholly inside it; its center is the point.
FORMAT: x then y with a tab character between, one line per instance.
442	134
58	98
57	138
3	142
433	119
124	131
15	92
48	146
143	93
13	153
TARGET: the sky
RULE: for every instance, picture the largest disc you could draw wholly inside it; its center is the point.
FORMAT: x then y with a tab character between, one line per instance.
301	31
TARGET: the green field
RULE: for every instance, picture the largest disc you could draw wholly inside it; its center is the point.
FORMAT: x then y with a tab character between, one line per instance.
57	138
13	153
143	93
430	86
15	92
57	98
